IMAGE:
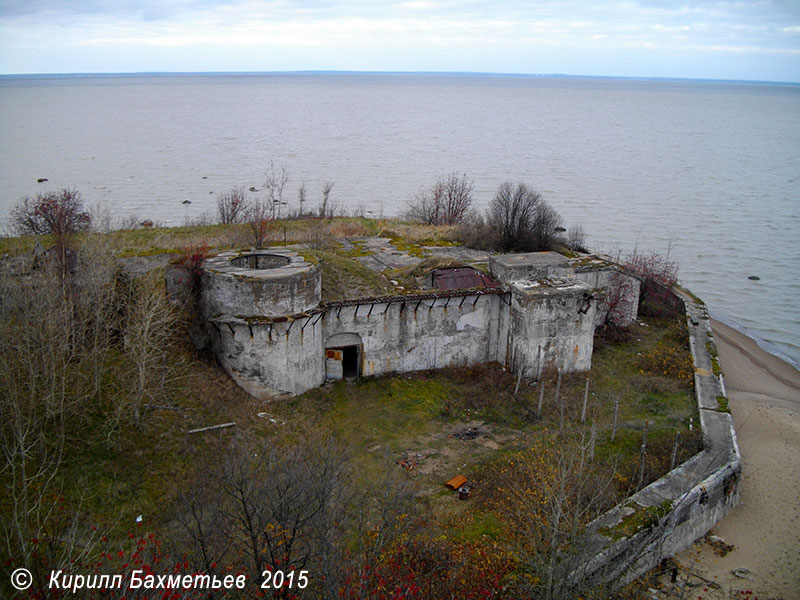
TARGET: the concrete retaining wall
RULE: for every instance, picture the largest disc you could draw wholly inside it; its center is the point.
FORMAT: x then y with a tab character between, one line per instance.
684	504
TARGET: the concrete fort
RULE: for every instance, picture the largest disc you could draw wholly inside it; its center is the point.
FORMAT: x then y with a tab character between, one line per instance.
274	337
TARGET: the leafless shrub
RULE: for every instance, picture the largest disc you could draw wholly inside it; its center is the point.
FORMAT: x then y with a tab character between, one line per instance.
301	198
576	238
100	218
259	221
477	233
288	503
319	237
549	503
521	221
232	206
659	275
128	223
447	202
619	302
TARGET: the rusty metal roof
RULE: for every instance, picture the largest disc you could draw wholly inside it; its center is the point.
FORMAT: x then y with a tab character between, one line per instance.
461	278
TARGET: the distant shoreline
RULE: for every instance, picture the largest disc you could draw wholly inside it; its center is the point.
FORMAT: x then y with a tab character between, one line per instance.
476	74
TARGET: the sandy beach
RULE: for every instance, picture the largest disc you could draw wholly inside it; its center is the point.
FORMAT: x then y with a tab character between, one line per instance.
764	394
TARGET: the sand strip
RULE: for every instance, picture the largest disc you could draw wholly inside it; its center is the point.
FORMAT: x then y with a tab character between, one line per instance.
764	394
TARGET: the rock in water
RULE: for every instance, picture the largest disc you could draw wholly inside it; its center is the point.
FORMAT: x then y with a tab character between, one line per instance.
754	278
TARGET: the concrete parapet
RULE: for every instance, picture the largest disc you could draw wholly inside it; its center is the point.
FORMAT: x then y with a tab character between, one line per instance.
259	284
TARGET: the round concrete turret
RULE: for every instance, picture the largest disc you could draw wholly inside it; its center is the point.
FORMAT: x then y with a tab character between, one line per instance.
260	284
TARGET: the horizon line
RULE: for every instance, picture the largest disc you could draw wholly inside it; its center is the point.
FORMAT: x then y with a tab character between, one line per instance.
389	72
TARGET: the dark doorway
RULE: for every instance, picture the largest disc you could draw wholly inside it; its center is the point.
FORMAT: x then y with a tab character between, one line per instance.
350	362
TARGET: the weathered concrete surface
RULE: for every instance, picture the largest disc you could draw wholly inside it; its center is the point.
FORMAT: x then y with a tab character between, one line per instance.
622	289
552	326
231	288
413	335
530	266
271	359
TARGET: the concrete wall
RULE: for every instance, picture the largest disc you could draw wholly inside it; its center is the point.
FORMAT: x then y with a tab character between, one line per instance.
270	359
432	333
552	327
620	287
696	495
528	329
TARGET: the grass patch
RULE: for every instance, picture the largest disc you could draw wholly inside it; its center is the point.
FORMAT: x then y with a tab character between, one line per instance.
358	248
641	519
344	278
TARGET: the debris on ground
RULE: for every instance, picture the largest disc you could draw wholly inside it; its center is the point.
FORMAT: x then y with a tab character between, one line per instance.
717	544
468	433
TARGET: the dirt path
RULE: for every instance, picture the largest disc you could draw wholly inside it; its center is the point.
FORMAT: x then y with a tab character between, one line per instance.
764	395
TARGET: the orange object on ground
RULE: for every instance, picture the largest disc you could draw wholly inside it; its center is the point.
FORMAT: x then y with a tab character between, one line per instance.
456	482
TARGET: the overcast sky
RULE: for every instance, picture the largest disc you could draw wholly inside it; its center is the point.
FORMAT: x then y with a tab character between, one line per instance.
755	40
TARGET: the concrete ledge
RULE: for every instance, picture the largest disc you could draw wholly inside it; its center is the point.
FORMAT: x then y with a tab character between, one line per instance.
259	283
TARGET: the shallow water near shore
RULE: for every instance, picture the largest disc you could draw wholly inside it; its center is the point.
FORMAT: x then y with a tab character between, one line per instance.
708	170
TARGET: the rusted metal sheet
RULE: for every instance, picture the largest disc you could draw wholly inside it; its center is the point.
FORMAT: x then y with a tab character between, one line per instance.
456	482
462	278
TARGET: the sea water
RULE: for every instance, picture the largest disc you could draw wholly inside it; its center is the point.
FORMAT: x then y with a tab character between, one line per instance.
707	171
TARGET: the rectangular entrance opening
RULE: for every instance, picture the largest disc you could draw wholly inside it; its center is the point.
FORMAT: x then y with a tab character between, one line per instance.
350	362
343	362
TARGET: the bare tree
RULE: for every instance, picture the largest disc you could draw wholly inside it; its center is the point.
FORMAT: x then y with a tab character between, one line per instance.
326	209
521	221
447	202
205	524
619	301
54	337
150	324
549	502
232	206
60	214
546	228
659	275
511	214
287	503
301	197
274	184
